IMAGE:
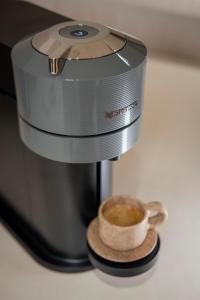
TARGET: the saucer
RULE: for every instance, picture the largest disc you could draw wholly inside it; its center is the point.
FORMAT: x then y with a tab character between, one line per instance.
110	254
122	263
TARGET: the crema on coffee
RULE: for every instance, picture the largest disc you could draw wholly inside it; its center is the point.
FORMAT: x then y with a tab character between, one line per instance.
123	214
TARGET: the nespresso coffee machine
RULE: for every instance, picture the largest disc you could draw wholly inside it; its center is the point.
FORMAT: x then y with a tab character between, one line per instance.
79	89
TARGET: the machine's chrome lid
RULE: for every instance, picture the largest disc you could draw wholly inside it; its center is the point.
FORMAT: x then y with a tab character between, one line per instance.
76	40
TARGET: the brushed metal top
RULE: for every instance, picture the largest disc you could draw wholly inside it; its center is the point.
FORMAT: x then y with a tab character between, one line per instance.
76	40
89	96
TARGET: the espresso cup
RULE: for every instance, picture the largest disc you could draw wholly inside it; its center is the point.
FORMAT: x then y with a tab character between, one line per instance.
124	222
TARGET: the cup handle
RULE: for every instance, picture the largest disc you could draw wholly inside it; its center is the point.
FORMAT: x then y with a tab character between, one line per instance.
158	213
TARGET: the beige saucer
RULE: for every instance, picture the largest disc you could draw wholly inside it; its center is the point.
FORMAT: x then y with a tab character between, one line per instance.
119	256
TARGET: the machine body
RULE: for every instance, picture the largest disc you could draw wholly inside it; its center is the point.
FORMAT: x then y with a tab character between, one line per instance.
79	89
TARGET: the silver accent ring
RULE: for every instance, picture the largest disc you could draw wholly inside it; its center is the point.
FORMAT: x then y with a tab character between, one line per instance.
79	150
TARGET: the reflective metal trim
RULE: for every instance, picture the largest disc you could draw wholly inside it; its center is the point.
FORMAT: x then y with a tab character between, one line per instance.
58	47
79	150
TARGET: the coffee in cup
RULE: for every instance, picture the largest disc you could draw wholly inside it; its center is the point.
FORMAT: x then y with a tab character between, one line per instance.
124	221
123	215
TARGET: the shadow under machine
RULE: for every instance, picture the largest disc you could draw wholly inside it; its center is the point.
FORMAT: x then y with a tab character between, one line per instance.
79	89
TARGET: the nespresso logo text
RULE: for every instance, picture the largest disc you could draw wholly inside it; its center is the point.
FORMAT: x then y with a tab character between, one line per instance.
120	111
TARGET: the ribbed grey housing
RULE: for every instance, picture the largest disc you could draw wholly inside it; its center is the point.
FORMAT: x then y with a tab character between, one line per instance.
90	98
81	149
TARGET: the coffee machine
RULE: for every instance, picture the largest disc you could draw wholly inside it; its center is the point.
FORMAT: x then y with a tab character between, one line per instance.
79	88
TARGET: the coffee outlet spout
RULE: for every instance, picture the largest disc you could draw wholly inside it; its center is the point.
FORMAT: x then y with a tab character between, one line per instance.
79	89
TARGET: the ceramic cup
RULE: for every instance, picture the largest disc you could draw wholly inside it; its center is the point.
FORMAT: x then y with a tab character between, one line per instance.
124	238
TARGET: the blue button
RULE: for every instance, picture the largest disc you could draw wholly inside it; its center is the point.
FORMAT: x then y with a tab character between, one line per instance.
79	33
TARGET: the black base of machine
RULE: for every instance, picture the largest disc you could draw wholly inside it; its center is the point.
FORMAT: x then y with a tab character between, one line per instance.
127	269
34	245
32	242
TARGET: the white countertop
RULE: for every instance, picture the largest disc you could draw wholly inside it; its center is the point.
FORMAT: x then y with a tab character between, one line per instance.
164	166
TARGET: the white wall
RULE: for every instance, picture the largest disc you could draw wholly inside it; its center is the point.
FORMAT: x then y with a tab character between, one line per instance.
171	27
183	7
